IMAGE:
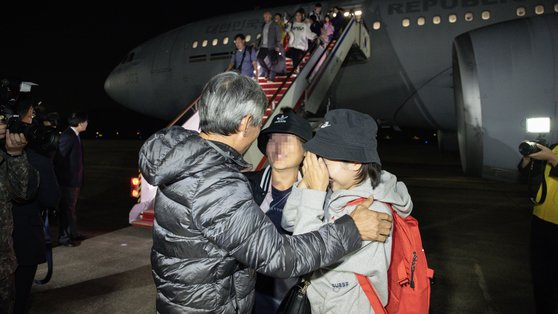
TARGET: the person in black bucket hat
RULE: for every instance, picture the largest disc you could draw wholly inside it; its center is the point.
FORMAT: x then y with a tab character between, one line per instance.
346	135
281	142
342	167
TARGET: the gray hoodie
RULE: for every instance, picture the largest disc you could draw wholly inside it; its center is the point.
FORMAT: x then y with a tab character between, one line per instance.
335	289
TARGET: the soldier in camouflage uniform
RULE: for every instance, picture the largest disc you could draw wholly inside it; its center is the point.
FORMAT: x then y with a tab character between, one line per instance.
18	180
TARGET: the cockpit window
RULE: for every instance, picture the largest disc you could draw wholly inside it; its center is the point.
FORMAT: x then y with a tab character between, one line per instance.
128	58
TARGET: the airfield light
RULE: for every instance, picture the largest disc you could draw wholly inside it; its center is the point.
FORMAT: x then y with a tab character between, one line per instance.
358	12
538	125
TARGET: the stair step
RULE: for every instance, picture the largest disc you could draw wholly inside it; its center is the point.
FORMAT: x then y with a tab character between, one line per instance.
143	223
147	214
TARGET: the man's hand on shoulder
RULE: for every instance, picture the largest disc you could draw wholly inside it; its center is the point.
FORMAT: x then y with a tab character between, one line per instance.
372	225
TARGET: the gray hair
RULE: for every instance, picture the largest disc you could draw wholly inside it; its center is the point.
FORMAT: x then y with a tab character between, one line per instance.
226	99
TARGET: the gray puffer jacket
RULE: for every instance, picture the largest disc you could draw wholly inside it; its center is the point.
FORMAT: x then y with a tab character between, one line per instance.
209	236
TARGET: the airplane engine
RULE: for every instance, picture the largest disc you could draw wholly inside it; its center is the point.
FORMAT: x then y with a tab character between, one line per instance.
504	74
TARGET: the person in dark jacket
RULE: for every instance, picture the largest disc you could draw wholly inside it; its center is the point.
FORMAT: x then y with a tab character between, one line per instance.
28	234
209	236
68	165
281	142
270	46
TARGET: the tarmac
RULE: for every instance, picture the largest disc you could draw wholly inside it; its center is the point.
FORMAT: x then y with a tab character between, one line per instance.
475	233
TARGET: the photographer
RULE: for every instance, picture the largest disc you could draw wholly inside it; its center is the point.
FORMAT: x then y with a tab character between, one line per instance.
28	235
541	166
18	180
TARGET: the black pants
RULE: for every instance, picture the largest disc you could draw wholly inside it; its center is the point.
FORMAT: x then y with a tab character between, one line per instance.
272	55
24	276
544	264
296	55
67	213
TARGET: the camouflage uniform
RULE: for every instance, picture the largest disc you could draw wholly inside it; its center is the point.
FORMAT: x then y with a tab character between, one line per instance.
18	180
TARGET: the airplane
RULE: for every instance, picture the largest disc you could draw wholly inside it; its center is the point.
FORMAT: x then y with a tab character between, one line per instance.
480	72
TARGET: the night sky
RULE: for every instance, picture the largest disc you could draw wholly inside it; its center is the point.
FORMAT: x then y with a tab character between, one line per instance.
70	48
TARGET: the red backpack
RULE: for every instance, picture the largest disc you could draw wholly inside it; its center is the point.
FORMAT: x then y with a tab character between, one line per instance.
408	274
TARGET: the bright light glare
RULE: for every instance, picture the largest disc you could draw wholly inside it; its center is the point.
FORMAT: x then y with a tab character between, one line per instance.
358	12
346	14
538	125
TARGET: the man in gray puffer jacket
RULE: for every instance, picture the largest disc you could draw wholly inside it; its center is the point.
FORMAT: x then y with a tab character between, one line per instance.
209	236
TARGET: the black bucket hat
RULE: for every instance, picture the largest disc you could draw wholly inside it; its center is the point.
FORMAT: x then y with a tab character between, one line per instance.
289	122
346	135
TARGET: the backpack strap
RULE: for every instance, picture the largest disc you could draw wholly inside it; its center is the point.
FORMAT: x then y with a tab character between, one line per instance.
363	281
371	294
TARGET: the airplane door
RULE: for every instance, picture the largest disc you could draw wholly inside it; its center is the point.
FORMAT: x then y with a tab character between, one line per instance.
161	63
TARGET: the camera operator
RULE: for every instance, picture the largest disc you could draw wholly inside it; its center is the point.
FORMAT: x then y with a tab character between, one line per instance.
544	226
18	180
28	235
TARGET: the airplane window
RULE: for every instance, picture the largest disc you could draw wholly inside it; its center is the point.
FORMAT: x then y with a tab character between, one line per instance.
485	15
421	21
214	42
468	16
204	43
248	37
520	11
436	20
195	44
539	9
225	40
258	36
452	18
556	7
377	25
406	22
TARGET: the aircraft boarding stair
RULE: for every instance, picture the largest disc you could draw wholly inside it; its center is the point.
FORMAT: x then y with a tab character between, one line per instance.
306	89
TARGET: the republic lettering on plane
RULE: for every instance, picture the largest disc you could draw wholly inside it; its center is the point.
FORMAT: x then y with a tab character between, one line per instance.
417	6
234	26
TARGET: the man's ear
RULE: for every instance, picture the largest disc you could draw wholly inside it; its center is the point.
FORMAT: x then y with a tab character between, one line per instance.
245	123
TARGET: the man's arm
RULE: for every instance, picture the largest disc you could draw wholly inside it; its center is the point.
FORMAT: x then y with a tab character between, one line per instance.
65	145
236	224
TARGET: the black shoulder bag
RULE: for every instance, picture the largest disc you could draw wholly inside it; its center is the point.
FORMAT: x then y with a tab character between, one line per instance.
296	301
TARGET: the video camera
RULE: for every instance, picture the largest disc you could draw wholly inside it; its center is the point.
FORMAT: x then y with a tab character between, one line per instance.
527	148
15	93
